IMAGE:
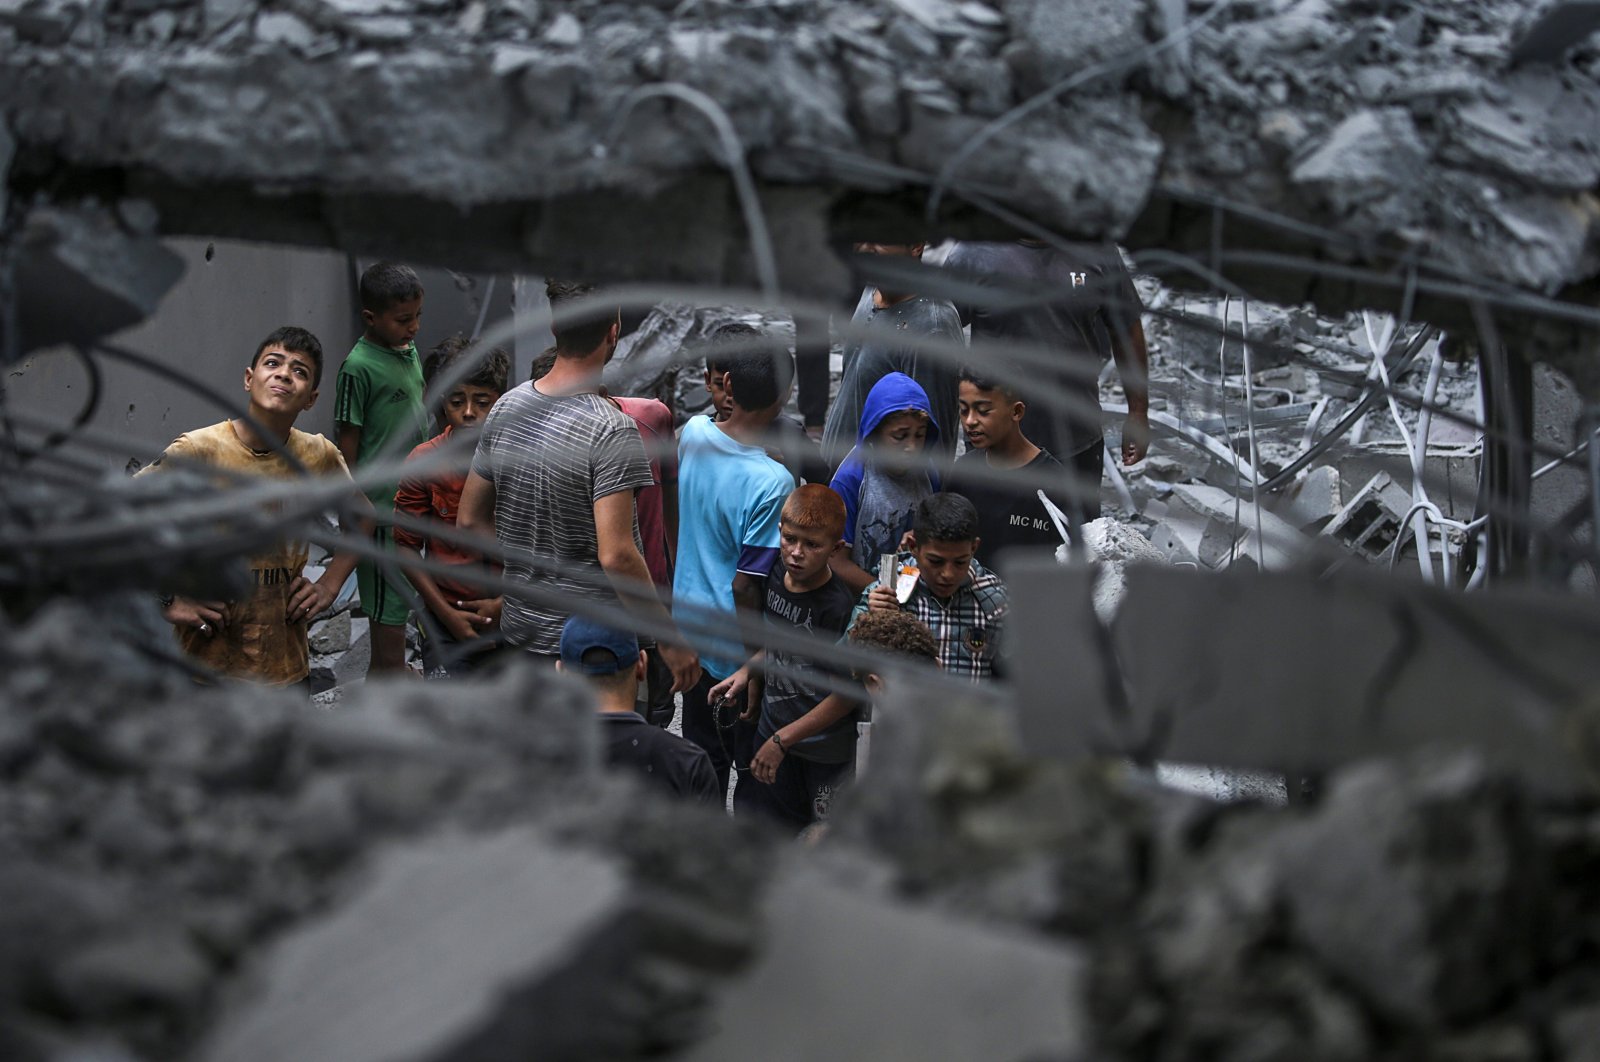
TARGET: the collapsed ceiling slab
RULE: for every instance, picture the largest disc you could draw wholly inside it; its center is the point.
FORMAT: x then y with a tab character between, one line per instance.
1344	153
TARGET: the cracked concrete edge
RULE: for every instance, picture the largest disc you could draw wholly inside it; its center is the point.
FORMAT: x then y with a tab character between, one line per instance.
239	136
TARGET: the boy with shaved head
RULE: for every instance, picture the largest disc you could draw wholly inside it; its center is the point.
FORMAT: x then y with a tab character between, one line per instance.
805	737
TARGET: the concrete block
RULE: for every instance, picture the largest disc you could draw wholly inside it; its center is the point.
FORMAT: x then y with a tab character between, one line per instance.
1054	626
1311	501
452	948
1231	534
884	979
1369	526
1450	472
331	635
1292	672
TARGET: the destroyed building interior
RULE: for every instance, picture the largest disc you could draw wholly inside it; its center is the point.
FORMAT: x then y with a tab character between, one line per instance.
1296	754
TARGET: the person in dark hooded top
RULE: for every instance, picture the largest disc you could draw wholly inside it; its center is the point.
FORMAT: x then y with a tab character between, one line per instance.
883	478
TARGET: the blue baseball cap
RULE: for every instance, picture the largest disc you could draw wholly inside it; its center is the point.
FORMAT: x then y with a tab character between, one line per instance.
580	635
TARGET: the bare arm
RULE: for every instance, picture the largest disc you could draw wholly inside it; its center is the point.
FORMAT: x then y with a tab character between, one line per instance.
829	710
307	599
1133	366
349	443
624	565
476	514
854	576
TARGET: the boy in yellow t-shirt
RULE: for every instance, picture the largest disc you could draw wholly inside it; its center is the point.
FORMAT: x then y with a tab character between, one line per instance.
263	637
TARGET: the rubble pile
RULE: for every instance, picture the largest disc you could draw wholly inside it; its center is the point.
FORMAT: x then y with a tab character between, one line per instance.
1420	909
1371	130
1307	375
164	850
235	874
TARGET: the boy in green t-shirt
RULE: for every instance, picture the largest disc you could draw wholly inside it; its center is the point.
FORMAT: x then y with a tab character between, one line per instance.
379	415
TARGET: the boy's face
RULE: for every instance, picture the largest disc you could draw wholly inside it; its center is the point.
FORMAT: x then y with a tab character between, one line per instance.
805	550
944	566
280	382
467	405
717	387
987	417
905	432
395	327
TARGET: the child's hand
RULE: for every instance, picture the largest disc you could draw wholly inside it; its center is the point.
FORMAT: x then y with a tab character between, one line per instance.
764	767
487	609
307	599
730	690
207	617
882	599
461	624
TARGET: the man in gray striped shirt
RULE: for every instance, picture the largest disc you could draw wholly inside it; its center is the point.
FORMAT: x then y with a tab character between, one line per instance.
553	480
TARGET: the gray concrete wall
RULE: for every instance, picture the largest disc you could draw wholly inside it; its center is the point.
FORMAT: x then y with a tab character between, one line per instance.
208	328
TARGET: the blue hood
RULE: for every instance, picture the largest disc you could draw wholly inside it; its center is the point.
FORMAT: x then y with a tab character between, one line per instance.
895	393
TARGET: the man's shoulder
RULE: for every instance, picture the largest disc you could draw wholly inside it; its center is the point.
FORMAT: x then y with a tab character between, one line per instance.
651	413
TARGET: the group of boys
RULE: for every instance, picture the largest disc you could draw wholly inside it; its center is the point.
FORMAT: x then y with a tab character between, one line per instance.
589	498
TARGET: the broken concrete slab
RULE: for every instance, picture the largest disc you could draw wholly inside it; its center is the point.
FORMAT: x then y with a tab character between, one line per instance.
81	274
450	946
1236	671
1232	534
922	984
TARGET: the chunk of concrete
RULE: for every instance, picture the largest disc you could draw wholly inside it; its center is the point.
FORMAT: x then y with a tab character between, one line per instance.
885	979
1294	672
455	948
1369	526
80	275
1232	534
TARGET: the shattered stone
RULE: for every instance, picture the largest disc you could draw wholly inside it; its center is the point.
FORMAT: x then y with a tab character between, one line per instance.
564	31
331	635
1371	155
928	986
155	966
80	275
284	28
1061	37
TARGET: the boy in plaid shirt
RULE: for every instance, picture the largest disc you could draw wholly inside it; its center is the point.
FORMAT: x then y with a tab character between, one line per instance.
962	602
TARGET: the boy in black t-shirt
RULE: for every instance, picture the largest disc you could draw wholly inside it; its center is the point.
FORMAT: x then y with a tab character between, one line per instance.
1009	512
805	738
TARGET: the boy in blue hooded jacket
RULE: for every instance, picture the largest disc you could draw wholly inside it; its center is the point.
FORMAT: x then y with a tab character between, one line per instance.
883	478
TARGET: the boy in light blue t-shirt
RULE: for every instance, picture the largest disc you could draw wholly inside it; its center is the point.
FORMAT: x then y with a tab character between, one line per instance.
730	495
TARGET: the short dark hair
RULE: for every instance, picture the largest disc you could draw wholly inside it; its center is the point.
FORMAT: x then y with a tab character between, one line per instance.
988	383
945	517
543	364
758	366
896	632
297	340
492	372
723	339
386	283
578	336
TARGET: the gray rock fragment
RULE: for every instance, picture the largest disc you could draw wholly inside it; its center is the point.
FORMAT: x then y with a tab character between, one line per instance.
155	966
80	275
1369	156
920	984
564	31
449	948
332	635
1061	37
285	29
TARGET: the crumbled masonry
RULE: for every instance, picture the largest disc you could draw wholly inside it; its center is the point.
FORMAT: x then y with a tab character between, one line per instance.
1380	135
